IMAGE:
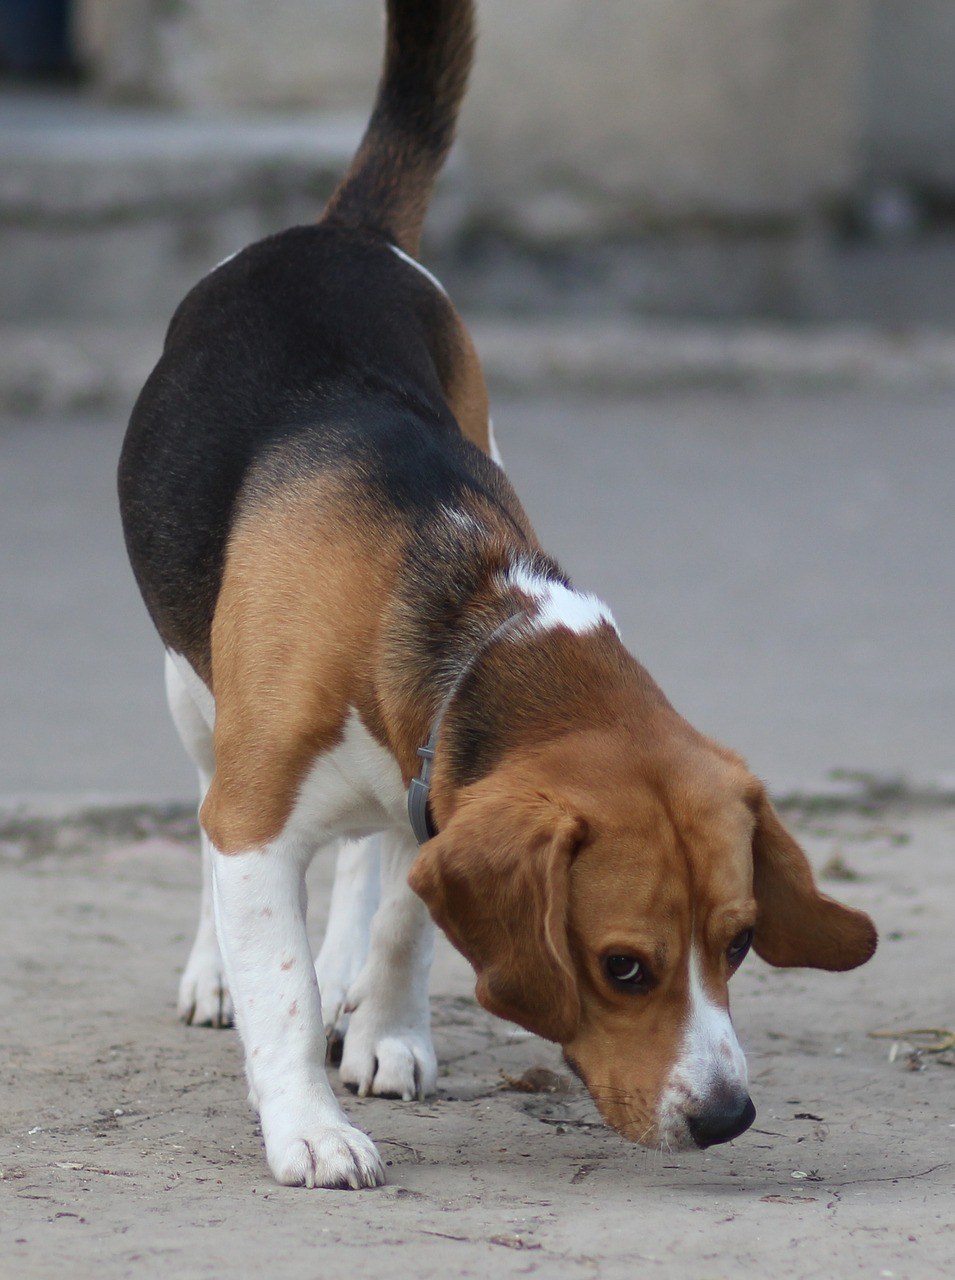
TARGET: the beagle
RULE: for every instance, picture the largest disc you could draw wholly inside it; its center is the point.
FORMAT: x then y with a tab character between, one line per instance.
354	604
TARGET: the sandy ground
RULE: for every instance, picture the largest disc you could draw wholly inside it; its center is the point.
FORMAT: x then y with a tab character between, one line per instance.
127	1148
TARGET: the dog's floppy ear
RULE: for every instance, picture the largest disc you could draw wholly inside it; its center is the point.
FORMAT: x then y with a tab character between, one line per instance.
496	880
795	923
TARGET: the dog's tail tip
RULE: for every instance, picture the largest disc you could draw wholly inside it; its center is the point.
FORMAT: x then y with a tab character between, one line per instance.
428	54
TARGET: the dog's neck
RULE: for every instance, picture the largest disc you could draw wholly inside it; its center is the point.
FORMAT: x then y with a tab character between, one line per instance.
419	807
520	658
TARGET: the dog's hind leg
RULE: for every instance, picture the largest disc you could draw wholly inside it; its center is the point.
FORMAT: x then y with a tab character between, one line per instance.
355	895
204	998
388	1049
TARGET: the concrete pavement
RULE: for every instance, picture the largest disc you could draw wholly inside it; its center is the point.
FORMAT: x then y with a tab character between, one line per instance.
781	561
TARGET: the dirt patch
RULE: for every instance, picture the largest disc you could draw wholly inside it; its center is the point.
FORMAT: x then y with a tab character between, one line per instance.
127	1148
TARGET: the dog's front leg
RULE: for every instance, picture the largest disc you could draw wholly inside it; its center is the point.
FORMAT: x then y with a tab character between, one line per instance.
260	905
388	1049
344	948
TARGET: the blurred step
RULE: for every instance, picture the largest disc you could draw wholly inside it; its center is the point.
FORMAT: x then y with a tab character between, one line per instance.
82	366
110	212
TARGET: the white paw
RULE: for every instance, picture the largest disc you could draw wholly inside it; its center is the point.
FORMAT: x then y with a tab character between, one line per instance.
204	999
330	1154
388	1061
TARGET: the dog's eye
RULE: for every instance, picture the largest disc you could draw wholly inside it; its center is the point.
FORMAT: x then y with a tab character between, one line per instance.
626	973
736	952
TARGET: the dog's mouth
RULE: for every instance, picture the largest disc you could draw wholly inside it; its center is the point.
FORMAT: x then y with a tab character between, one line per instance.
674	1123
575	1067
624	1110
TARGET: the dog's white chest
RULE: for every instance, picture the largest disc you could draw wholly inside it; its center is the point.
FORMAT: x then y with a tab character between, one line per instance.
352	790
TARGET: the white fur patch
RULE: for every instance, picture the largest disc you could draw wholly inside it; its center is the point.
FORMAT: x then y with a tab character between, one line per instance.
353	790
492	445
182	682
355	895
558	605
227	258
711	1051
463	519
418	267
710	1060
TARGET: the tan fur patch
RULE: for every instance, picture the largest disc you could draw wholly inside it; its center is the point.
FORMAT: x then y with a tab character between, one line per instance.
467	392
293	644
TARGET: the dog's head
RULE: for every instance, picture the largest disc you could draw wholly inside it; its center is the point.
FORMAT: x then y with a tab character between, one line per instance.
605	895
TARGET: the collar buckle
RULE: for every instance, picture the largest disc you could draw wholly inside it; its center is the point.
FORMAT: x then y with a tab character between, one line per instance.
419	808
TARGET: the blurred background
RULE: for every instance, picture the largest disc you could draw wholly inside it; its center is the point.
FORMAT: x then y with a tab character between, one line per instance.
708	251
791	158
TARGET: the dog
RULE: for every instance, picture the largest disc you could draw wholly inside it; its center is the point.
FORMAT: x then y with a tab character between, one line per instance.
355	611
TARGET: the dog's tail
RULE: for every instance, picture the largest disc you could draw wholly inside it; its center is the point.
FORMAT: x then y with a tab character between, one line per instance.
428	55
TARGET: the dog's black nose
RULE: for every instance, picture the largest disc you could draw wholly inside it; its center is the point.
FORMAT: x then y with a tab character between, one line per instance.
722	1123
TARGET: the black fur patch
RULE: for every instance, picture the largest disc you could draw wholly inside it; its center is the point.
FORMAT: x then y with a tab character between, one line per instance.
428	54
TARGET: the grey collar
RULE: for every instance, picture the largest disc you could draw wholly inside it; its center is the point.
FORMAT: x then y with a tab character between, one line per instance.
419	808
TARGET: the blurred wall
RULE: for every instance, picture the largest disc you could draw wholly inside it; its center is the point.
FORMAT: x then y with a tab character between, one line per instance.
910	93
679	108
650	111
225	53
780	158
583	113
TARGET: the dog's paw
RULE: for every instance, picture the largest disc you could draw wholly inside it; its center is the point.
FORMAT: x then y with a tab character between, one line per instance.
204	999
333	1154
398	1063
